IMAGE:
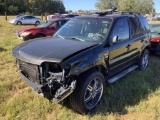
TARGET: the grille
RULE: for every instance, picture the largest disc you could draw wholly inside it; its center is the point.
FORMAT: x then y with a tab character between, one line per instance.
30	71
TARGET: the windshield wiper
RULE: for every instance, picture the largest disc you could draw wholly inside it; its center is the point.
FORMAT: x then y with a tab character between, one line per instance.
59	36
74	38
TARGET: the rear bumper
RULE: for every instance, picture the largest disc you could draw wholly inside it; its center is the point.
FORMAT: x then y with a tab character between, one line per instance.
155	47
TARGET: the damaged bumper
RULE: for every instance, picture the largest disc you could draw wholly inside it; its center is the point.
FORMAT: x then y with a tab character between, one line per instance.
45	89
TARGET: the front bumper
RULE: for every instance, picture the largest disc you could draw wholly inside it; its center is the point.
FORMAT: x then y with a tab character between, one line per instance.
37	88
27	37
61	93
12	22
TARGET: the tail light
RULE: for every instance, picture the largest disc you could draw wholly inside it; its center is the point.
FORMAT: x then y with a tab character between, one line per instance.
156	39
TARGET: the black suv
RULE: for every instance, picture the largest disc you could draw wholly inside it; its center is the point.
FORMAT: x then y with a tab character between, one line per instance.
84	54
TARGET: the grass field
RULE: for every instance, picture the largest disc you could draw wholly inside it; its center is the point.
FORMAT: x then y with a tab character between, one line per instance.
134	97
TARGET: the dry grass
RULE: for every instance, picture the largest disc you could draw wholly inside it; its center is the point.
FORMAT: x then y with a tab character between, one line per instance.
134	97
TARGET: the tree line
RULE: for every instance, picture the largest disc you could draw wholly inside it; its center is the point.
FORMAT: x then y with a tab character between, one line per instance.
140	6
36	7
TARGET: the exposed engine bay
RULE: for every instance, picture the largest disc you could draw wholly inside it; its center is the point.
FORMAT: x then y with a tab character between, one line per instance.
49	80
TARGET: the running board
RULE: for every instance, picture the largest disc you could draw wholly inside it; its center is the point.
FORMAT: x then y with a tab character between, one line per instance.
118	76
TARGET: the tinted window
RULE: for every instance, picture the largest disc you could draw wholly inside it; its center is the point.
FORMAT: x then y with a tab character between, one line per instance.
58	24
28	17
121	29
136	28
144	24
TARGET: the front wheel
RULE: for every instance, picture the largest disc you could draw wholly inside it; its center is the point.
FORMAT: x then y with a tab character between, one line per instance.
19	23
39	35
88	92
144	58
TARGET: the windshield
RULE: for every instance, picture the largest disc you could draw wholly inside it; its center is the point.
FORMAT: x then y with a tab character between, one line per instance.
85	29
44	24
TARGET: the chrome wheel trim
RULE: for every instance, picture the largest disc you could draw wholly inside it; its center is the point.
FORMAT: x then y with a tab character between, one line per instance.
93	93
145	60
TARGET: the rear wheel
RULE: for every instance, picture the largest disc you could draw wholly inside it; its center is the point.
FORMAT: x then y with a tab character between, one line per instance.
88	92
19	23
143	62
37	23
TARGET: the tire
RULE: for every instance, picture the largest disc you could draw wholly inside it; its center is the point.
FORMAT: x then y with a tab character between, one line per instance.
143	61
19	23
39	35
85	97
37	23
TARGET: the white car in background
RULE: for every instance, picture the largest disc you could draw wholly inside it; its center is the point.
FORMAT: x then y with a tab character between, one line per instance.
25	19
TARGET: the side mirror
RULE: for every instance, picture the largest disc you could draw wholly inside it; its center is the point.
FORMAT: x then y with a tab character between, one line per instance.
115	39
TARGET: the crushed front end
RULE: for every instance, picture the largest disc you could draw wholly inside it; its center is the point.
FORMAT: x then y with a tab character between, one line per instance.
47	79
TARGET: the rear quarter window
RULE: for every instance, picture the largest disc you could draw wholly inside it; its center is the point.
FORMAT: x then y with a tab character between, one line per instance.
144	24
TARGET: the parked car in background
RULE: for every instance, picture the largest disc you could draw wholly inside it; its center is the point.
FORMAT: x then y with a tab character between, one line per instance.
25	19
155	38
158	18
44	29
84	54
50	17
68	15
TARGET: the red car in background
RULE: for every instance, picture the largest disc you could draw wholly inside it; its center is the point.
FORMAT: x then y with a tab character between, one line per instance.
44	29
155	39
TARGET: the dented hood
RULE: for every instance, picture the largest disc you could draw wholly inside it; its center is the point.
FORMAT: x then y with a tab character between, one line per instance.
49	49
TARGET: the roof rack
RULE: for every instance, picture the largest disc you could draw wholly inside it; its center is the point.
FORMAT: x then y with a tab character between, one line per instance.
130	13
113	9
104	12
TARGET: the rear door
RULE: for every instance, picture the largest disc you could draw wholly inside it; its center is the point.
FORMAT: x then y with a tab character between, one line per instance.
137	38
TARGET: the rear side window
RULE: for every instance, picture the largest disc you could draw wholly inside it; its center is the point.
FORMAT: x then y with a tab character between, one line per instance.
145	25
136	27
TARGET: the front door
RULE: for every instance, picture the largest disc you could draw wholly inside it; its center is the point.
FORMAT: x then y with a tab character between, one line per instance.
120	51
56	25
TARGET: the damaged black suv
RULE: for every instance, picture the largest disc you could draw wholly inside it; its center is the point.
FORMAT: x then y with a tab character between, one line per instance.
84	54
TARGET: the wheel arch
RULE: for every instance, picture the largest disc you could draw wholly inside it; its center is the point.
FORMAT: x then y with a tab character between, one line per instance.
98	68
39	34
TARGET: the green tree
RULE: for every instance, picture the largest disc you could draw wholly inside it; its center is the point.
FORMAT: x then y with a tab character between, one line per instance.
106	4
140	6
36	7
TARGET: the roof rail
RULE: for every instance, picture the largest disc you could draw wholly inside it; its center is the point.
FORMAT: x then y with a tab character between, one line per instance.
130	13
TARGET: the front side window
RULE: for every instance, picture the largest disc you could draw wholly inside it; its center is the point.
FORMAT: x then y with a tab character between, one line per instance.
121	29
58	24
44	24
85	29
